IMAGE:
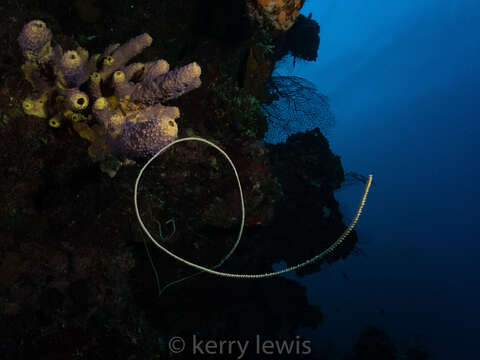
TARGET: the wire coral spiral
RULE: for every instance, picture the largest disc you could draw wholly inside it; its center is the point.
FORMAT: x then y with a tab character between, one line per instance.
340	239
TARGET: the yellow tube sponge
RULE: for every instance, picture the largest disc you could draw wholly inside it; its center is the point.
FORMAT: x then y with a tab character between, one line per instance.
76	100
84	131
35	107
54	122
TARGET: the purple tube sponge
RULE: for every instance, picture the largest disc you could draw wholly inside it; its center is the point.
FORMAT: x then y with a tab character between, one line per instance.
94	87
123	87
140	133
133	69
154	69
168	86
34	41
143	132
71	71
122	54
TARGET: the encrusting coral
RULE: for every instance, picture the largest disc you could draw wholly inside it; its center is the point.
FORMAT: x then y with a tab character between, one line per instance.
280	14
70	85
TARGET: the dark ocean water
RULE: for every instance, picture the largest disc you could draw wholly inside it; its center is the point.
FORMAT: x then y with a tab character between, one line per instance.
403	80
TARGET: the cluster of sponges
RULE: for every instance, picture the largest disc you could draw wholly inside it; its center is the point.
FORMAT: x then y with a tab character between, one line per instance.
115	105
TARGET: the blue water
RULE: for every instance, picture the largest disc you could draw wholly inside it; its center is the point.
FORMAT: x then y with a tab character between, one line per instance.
403	78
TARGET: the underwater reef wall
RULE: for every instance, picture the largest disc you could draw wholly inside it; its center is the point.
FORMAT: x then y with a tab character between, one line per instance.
76	280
